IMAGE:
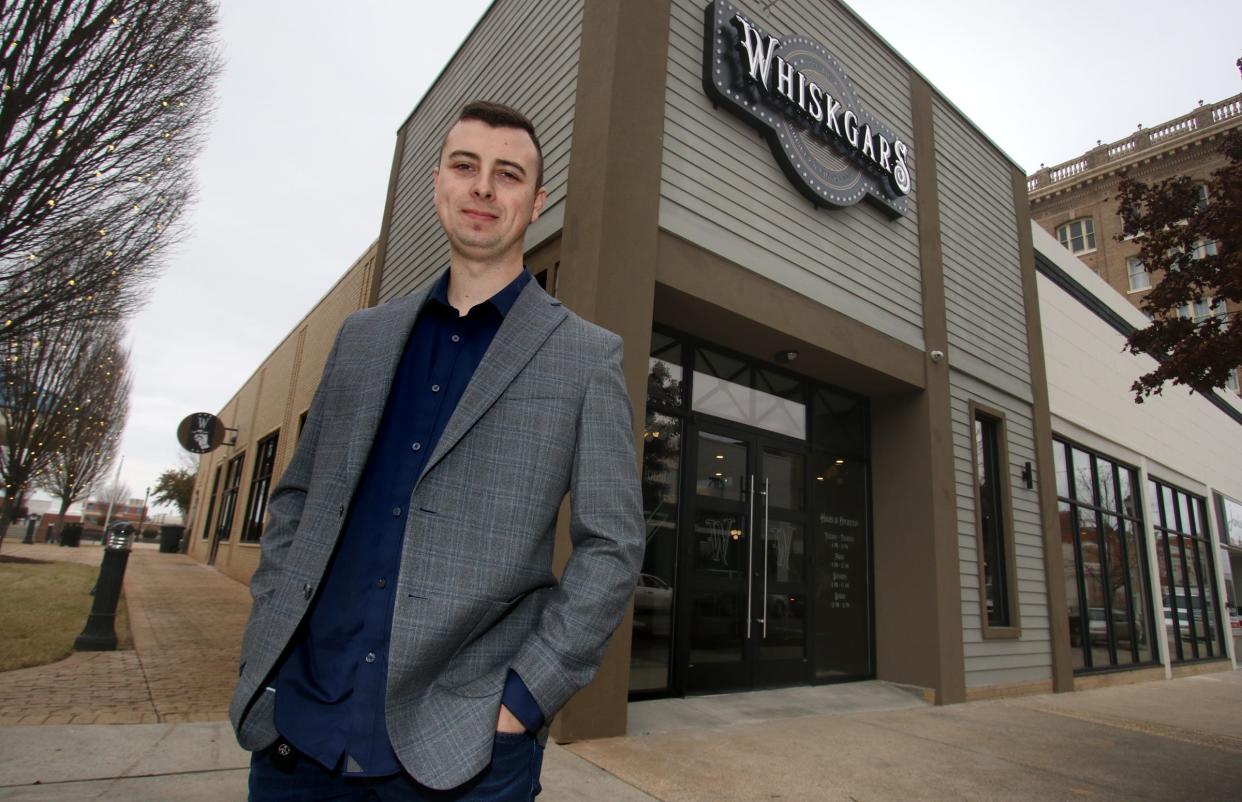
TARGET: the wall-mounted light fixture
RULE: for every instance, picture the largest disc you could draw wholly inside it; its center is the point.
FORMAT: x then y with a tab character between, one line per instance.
1028	476
785	357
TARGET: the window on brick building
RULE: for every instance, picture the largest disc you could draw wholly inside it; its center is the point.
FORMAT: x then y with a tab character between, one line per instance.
260	486
1138	276
228	502
1205	247
1201	191
1078	236
1202	311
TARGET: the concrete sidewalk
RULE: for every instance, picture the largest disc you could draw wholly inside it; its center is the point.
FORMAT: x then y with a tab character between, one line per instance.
1154	741
1179	739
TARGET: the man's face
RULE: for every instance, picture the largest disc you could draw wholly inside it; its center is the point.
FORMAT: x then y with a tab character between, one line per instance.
485	190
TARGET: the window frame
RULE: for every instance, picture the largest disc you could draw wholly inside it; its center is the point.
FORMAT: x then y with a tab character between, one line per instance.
1003	501
211	502
260	487
228	497
1131	263
1133	519
1064	234
1169	532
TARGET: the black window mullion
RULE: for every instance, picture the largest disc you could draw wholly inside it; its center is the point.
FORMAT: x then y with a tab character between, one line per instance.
1163	534
1084	634
1190	624
1084	614
1131	617
1101	518
1202	588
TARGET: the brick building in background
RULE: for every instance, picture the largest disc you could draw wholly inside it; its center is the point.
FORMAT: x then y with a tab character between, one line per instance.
1076	201
95	512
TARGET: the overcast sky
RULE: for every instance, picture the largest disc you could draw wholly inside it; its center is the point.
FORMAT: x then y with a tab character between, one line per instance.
293	179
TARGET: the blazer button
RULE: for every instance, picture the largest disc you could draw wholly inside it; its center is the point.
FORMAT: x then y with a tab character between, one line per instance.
340	511
308	591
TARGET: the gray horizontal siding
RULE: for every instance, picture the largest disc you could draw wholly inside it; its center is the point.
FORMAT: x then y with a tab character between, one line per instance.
982	274
524	53
994	662
721	187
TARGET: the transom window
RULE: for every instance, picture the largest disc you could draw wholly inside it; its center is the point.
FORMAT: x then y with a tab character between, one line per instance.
1078	236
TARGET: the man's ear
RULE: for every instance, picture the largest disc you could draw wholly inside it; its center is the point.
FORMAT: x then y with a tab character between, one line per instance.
435	174
541	197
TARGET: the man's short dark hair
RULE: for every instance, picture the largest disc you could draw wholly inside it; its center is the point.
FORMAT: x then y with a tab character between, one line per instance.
498	115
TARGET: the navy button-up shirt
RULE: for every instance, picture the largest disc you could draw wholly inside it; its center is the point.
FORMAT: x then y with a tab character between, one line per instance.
330	688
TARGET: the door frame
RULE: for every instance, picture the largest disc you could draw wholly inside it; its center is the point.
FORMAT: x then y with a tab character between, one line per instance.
750	672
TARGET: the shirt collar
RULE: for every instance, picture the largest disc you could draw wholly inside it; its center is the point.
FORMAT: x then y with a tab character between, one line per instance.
502	301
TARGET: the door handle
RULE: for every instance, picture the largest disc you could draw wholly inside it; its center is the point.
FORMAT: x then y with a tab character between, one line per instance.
750	555
765	558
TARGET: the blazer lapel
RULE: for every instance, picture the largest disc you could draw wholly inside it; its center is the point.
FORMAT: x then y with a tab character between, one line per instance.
532	319
385	338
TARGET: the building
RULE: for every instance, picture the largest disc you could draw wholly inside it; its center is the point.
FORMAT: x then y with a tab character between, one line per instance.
1076	201
95	512
264	419
849	453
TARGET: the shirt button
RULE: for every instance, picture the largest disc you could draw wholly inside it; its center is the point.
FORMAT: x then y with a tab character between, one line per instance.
435	388
416	446
370	657
381	583
456	338
396	512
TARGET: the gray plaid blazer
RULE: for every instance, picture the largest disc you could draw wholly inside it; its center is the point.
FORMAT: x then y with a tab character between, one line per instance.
546	413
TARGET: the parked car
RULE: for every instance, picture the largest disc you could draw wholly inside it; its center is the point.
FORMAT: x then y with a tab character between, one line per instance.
653	604
1184	613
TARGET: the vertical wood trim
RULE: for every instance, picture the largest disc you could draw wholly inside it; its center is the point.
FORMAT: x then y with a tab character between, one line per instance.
609	252
376	273
1045	469
950	659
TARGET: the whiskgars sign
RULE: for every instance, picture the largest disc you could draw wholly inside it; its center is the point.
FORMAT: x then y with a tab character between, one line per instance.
795	93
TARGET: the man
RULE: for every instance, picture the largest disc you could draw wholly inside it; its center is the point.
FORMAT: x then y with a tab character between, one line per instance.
408	635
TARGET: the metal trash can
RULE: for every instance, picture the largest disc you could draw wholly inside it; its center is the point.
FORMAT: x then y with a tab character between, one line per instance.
170	538
71	535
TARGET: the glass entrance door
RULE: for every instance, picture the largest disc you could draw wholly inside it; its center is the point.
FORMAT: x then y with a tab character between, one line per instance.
744	564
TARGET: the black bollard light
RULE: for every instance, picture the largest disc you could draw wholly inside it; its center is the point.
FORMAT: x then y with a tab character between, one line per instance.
99	634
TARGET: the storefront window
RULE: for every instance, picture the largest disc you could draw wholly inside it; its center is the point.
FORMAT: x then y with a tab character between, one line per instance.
665	382
651	645
1102	551
1187	575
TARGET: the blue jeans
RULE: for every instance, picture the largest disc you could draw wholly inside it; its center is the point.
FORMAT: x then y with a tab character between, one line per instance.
512	776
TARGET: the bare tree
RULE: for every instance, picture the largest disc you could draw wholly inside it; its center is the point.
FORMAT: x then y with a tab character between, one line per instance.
84	448
114	494
41	372
103	108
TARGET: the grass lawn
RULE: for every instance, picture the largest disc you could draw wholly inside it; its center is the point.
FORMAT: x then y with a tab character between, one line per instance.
43	607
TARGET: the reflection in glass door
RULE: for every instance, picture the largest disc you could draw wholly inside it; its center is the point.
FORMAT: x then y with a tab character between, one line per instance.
746	575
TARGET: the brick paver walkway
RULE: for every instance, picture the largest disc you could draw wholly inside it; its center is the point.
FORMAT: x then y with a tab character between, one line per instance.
186	621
